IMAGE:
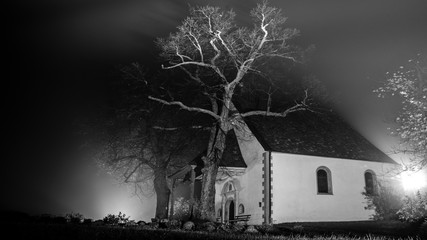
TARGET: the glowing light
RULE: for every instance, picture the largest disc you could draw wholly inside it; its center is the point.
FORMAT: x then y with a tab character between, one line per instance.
413	181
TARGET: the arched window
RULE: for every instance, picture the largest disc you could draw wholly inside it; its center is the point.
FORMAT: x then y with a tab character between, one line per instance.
228	187
370	182
324	181
241	209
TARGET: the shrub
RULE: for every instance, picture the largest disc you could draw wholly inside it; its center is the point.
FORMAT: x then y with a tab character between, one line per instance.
74	217
181	208
131	223
224	227
87	221
174	224
98	222
141	223
265	228
386	202
298	228
414	208
116	219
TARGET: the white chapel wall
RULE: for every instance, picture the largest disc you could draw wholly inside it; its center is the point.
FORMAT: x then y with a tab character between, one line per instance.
250	183
294	188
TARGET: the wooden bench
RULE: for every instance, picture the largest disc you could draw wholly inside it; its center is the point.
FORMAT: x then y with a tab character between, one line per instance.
240	218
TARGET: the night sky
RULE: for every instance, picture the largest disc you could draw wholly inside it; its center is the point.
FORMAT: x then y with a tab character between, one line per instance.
58	54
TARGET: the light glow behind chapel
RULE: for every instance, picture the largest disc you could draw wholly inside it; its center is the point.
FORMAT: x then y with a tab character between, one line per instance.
413	181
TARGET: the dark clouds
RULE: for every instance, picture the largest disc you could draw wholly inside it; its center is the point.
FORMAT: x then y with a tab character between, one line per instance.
59	51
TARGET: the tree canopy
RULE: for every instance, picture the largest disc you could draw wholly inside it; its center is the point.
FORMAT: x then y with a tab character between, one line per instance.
409	84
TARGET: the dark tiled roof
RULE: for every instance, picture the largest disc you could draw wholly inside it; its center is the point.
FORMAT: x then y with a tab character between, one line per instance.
232	157
316	134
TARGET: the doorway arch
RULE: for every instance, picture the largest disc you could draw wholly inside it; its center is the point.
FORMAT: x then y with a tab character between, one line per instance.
230	201
230	210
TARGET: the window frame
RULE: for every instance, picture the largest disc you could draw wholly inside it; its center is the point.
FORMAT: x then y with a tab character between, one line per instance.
328	179
241	209
374	182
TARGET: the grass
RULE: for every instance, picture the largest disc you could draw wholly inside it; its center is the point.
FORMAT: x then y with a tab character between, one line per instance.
390	229
334	231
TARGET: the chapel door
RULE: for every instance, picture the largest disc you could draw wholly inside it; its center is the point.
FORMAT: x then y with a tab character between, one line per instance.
231	211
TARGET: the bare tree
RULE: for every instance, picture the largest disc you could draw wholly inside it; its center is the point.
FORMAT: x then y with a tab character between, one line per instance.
141	143
409	83
217	55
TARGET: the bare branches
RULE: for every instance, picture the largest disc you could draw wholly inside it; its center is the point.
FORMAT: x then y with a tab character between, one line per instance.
285	56
189	63
410	125
263	27
232	54
299	106
196	44
135	72
218	52
181	56
178	128
214	104
128	174
202	64
183	106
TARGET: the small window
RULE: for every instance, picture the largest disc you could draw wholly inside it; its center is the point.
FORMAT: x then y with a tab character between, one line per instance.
324	181
370	182
230	187
220	212
241	209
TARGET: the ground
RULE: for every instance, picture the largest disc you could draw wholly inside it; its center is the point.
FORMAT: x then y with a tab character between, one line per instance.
288	231
359	228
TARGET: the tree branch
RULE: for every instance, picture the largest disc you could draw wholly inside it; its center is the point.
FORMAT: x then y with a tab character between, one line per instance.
202	64
183	106
131	172
218	52
182	56
177	128
297	107
197	46
283	56
195	78
232	54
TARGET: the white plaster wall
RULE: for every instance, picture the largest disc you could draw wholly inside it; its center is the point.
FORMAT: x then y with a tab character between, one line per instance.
218	198
294	188
250	192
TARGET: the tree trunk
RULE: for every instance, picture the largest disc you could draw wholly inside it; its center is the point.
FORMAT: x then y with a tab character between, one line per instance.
213	157
162	193
210	170
207	211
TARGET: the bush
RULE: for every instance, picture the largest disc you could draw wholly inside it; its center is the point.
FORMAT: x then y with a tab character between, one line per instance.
74	217
87	221
386	202
116	219
181	209
414	208
266	228
174	224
